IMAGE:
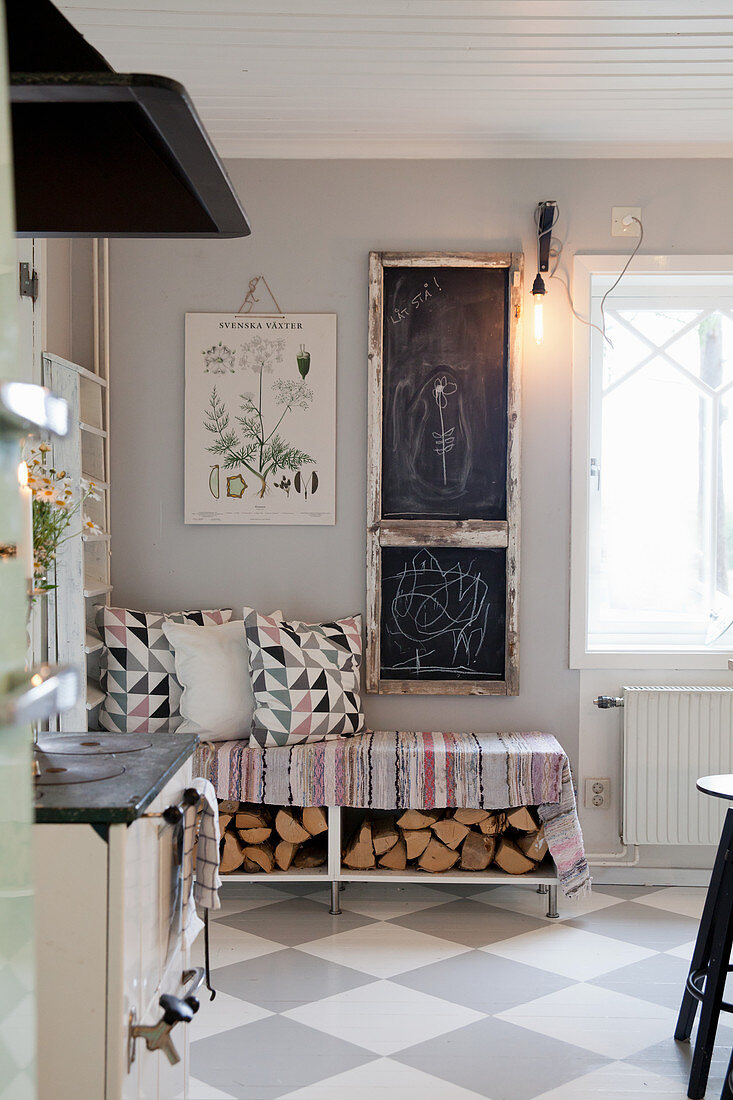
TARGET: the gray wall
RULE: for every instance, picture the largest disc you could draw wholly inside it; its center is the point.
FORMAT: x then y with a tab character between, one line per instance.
314	223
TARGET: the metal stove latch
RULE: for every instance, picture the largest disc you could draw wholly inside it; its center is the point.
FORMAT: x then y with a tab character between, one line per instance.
158	1036
175	1011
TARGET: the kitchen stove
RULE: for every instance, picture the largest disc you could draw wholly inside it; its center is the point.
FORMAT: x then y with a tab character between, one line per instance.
55	769
91	744
109	852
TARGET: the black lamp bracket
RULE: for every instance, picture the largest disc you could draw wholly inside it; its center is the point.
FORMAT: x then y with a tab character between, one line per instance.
546	218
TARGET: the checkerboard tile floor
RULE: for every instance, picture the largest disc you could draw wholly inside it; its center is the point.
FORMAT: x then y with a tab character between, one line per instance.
429	992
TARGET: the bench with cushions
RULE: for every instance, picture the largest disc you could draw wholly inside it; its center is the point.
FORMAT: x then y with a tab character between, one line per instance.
278	708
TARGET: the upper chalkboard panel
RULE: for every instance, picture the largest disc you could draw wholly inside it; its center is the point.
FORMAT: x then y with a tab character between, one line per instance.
444	411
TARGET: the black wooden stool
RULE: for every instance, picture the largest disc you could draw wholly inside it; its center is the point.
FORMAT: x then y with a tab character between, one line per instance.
711	958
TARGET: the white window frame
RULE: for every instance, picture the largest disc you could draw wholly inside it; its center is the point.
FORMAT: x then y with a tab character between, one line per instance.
584	268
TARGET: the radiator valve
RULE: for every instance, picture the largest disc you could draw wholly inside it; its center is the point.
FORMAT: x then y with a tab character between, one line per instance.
605	702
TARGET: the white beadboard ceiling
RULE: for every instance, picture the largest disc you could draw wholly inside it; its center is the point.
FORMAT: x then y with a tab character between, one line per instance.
436	78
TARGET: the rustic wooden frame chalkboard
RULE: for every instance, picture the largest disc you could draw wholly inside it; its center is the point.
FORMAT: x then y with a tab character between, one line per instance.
407	533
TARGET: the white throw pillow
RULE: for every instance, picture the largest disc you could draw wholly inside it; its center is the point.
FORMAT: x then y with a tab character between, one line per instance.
212	666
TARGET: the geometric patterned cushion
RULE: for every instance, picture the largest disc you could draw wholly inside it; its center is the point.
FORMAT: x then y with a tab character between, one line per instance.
142	694
305	679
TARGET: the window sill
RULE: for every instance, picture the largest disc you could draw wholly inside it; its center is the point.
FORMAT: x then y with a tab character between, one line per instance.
627	659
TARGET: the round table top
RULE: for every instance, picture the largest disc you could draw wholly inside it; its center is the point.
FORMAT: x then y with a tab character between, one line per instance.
720	786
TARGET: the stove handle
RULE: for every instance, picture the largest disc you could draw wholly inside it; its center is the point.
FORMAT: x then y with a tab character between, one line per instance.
195	975
176	1010
174	814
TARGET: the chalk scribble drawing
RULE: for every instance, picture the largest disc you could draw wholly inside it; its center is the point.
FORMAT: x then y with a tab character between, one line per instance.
445	439
430	603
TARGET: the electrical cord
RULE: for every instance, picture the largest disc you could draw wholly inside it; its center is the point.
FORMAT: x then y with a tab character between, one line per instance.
623	272
553	275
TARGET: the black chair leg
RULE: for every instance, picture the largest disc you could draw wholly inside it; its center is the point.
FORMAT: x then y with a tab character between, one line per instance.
714	986
703	943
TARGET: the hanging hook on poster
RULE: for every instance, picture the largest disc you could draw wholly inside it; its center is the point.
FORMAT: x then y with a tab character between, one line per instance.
251	299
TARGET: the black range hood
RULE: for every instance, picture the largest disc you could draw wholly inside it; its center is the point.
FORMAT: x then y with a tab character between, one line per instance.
103	154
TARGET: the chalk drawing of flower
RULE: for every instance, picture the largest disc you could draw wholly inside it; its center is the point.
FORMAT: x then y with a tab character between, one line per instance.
442	389
445	439
218	359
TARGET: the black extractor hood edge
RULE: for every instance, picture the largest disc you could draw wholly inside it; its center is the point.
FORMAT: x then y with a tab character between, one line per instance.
105	154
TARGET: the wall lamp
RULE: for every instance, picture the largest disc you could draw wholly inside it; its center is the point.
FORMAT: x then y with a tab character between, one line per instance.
545	218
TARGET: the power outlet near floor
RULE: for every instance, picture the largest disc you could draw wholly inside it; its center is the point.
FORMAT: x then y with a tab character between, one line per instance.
597	793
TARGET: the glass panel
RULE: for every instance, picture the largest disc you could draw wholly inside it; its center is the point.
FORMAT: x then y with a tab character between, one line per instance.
654	509
659	325
623	353
720	627
724	504
707	350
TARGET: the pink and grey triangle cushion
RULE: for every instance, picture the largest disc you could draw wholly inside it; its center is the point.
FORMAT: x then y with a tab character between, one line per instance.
142	694
305	679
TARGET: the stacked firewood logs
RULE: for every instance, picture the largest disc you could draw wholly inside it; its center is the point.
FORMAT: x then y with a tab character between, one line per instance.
446	840
260	838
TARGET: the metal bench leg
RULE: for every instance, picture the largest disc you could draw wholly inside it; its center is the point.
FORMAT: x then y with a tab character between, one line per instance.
335	909
552	910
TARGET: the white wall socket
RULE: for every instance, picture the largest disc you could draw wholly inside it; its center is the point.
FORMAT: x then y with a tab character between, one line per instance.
618	229
597	793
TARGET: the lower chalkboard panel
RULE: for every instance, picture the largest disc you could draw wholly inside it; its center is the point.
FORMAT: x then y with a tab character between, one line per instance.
443	613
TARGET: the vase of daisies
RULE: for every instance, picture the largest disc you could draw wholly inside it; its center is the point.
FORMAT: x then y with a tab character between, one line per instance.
57	508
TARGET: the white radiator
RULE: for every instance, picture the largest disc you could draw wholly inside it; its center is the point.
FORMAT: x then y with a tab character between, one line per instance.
672	736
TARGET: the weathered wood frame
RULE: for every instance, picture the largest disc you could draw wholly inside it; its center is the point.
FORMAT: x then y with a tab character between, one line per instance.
457	533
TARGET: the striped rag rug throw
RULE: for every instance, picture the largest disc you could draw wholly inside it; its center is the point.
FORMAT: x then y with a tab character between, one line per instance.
392	770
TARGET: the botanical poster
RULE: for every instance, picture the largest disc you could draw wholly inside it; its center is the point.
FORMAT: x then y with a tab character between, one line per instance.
260	441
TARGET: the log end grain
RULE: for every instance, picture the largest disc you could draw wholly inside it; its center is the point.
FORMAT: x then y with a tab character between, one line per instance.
437	857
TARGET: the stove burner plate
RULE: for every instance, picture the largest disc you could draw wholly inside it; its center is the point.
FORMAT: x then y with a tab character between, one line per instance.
58	770
91	744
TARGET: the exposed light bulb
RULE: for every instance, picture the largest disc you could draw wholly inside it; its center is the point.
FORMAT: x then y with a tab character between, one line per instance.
539	324
538	293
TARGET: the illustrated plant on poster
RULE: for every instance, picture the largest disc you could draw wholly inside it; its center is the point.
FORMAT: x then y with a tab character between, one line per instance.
260	441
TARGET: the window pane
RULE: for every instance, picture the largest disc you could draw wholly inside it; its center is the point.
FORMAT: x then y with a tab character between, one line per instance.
653	500
660	504
659	325
623	353
726	454
707	350
720	627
